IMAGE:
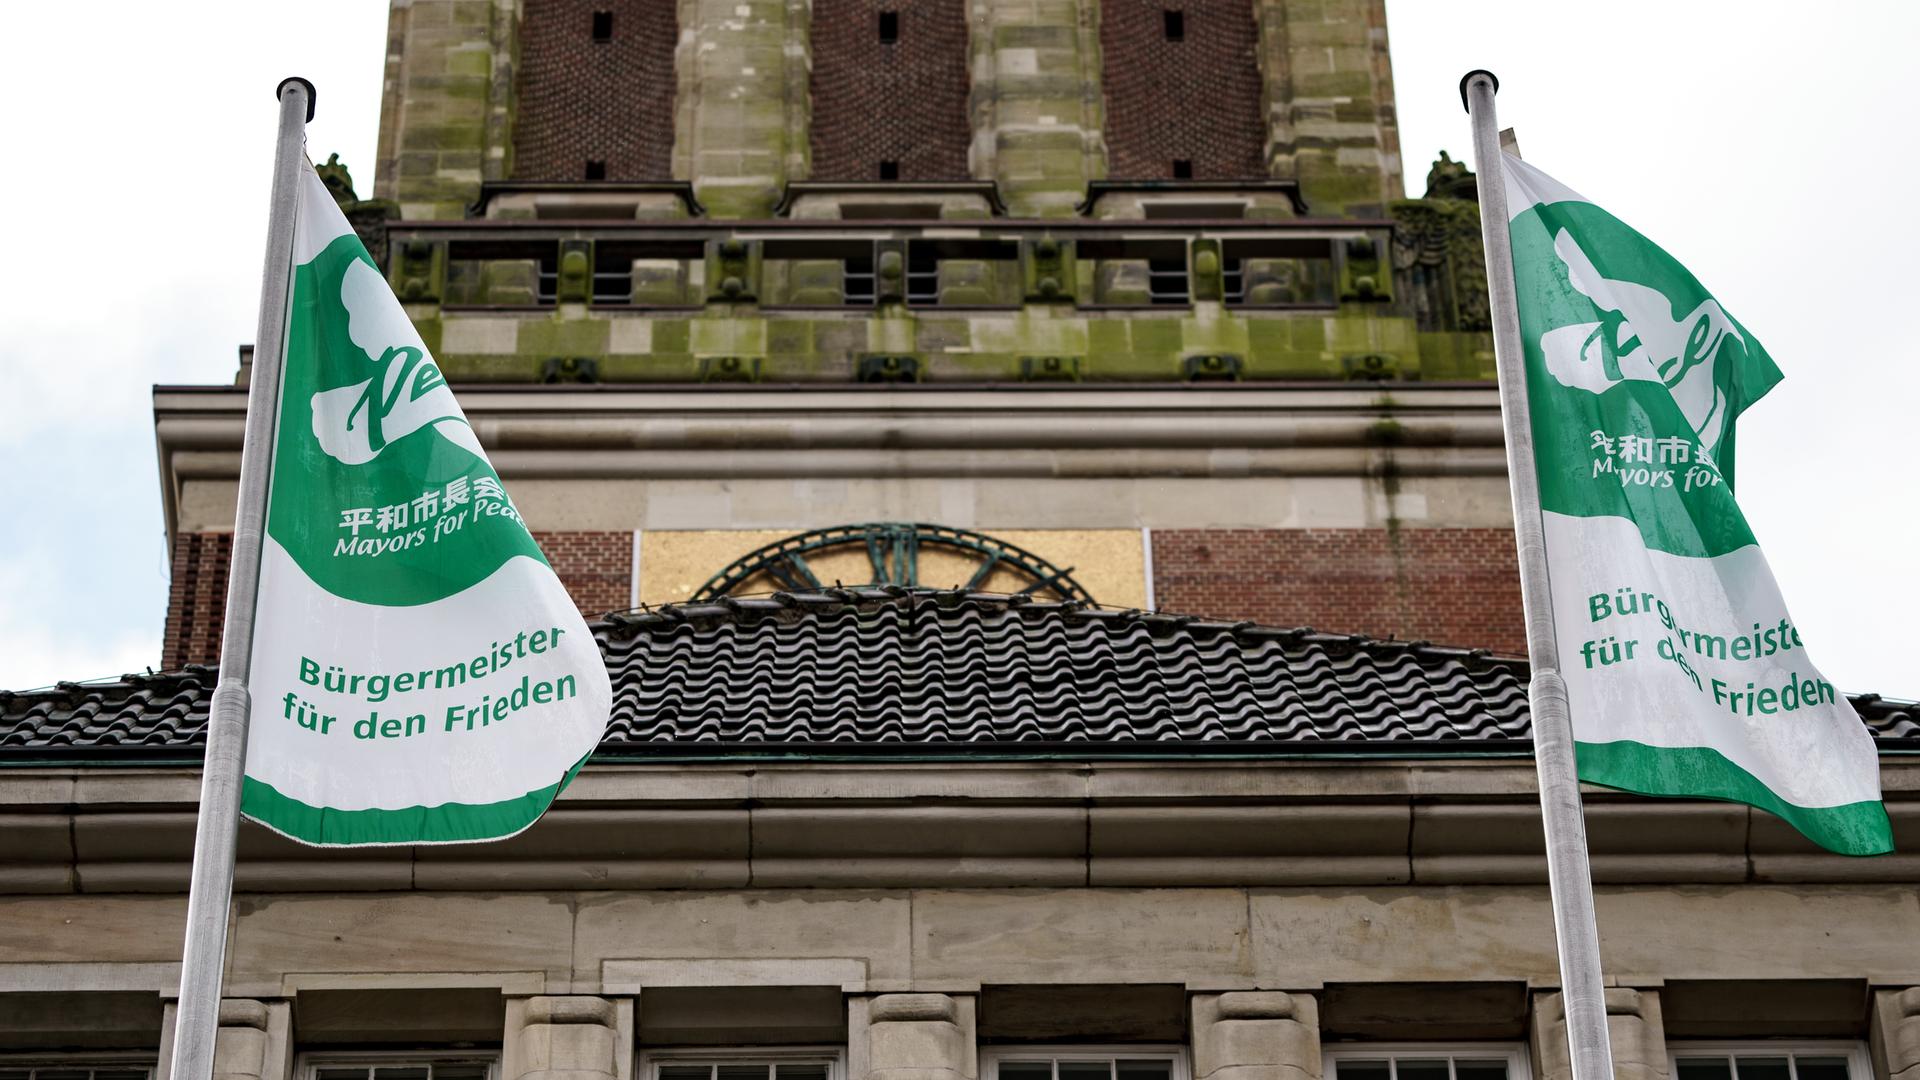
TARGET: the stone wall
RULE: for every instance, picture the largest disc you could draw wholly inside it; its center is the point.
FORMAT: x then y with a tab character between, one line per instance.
1036	95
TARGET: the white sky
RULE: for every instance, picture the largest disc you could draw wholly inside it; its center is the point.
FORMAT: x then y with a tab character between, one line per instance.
1767	148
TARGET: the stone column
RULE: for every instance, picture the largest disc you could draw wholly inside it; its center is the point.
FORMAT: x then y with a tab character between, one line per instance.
1035	102
446	119
254	1041
1328	92
1256	1035
1896	1033
914	1037
1634	1028
742	102
566	1038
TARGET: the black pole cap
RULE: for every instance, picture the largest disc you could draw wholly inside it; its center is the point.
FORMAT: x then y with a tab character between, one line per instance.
1464	80
281	91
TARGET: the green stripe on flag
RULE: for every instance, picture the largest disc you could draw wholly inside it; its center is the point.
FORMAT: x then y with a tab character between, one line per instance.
1699	772
448	823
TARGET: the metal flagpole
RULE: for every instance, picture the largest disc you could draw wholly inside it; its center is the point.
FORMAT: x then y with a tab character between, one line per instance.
1568	876
204	962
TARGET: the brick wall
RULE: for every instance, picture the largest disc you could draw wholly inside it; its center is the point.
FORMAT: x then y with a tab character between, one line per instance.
596	568
196	599
1449	586
1196	99
905	102
582	100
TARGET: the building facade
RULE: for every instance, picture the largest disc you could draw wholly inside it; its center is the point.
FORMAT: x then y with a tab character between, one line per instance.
1128	285
875	373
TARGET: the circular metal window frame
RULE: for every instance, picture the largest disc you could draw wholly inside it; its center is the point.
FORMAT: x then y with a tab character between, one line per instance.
893	552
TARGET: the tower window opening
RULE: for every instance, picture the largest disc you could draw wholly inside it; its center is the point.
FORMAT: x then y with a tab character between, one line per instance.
1182	169
889	170
596	170
889	27
602	27
1175	23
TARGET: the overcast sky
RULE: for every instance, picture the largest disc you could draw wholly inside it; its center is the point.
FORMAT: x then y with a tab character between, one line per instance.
1769	150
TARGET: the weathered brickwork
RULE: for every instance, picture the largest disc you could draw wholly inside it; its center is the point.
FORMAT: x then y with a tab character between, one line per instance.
1448	586
197	599
585	100
904	102
596	568
1195	99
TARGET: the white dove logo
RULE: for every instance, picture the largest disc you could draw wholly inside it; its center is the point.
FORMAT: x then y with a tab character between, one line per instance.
403	392
1638	338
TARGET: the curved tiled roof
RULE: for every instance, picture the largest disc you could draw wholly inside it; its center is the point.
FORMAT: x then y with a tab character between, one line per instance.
862	670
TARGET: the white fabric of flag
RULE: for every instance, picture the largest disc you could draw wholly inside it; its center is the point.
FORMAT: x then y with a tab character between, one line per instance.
420	675
1687	674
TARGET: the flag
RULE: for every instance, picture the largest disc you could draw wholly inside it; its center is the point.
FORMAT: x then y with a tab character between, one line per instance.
419	673
1687	676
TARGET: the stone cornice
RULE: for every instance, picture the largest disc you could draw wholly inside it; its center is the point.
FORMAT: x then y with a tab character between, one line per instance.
979	824
1171	431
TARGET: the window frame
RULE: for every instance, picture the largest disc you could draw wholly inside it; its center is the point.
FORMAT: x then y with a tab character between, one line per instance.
991	1057
835	1057
1859	1063
1519	1059
307	1063
80	1059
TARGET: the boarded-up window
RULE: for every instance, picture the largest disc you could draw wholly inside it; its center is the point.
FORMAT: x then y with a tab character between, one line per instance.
1183	89
596	90
889	90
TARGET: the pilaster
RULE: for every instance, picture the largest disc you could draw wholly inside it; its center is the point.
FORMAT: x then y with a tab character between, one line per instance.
1635	1030
1329	103
740	114
915	1037
1256	1035
566	1038
446	113
1035	102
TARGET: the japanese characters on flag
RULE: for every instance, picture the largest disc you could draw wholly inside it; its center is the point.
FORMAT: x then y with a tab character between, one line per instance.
1686	673
420	675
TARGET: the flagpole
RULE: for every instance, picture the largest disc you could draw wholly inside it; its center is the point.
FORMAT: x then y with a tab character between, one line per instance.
1569	879
211	893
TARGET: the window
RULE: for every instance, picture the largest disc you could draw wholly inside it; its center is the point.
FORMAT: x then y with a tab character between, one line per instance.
596	170
964	272
76	1069
889	170
1278	272
602	27
1770	1061
1175	24
794	1064
1437	1061
1182	169
645	273
858	283
399	1066
1083	1063
923	274
1167	281
889	27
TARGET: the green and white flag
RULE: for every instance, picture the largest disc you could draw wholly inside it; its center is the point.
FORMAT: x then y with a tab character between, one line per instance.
419	673
1687	675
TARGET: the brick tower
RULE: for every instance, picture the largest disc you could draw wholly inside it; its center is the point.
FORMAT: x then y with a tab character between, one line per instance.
1115	300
